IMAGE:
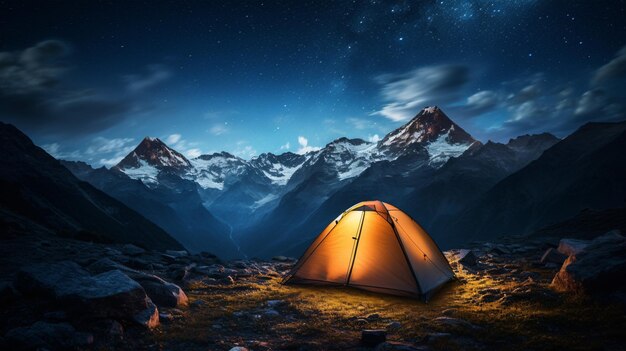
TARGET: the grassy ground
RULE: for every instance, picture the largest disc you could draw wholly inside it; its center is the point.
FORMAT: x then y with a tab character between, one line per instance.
332	318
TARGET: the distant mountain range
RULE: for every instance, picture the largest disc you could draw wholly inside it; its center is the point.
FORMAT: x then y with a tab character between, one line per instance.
458	188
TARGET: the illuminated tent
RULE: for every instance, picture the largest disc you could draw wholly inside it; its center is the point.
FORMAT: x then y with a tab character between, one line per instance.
374	246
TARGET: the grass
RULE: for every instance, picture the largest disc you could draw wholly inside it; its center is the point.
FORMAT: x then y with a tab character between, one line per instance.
332	318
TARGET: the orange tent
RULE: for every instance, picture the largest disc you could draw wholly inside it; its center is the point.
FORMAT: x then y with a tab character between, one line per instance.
374	246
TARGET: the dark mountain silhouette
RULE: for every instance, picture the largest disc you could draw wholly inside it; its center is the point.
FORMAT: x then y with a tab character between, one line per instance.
584	170
37	191
176	208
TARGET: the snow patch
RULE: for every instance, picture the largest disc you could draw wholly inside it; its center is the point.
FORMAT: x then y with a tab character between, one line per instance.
441	150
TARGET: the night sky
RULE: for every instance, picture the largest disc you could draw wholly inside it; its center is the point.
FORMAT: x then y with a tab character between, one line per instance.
88	80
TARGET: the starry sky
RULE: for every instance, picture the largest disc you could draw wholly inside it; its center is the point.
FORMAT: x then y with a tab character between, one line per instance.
88	80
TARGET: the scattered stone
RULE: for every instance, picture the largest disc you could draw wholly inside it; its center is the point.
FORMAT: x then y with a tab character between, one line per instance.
434	337
271	313
373	337
274	303
165	317
570	247
394	325
42	335
373	317
7	293
454	322
449	311
161	292
55	316
177	254
107	295
132	250
467	258
599	268
398	346
116	330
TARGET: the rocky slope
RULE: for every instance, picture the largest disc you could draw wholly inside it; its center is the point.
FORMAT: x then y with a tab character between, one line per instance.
584	170
39	194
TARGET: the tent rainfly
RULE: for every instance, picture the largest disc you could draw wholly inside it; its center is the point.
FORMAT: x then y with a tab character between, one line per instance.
374	246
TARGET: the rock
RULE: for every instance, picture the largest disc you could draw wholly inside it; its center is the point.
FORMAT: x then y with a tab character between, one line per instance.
398	346
373	337
177	254
553	256
449	311
467	258
107	295
165	317
599	268
570	247
454	322
434	337
55	316
149	317
239	348
500	250
373	317
132	250
282	259
7	294
116	330
198	303
274	303
271	313
161	292
42	335
394	325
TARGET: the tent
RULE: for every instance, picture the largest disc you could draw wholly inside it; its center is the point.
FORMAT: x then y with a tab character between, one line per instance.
374	246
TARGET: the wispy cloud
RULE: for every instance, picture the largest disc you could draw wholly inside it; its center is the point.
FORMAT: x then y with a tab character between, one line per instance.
304	146
405	93
141	82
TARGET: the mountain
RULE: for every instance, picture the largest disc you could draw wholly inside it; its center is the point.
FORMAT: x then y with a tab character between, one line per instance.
166	195
584	170
347	171
39	192
151	157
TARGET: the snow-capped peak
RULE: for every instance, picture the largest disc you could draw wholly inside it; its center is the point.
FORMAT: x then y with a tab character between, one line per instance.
430	129
155	153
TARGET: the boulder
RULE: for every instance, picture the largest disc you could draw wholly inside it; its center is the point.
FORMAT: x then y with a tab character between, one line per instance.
467	258
177	254
399	346
51	336
599	268
132	250
110	294
553	256
373	337
161	292
570	247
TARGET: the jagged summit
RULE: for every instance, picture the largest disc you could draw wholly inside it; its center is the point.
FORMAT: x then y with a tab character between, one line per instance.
154	152
428	126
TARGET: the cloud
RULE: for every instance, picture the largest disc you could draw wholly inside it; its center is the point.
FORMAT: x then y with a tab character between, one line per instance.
34	69
481	102
304	146
597	104
286	146
193	153
33	95
156	75
102	145
613	70
245	152
218	129
358	123
173	138
430	85
373	138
